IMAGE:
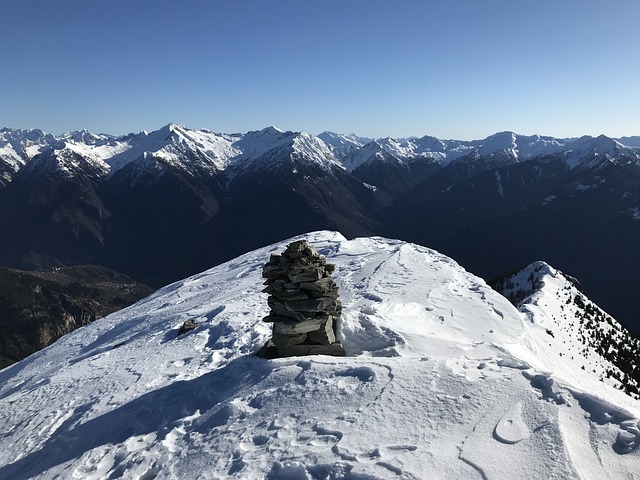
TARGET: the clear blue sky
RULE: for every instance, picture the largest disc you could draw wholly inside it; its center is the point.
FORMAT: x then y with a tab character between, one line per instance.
453	69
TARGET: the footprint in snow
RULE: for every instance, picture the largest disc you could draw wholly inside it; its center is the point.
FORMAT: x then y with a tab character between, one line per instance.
364	374
511	427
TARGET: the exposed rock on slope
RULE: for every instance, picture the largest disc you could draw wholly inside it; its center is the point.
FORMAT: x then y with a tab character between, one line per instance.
37	308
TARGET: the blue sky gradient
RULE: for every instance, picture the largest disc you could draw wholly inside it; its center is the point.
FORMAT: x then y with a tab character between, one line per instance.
453	69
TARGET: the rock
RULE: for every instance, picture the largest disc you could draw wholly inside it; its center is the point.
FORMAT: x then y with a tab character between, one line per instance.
335	349
304	304
325	284
314	305
325	335
187	326
306	276
268	351
282	339
294	328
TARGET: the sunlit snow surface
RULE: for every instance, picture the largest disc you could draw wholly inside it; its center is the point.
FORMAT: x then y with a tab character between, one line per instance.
444	379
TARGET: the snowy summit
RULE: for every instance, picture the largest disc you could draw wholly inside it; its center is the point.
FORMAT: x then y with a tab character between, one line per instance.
443	379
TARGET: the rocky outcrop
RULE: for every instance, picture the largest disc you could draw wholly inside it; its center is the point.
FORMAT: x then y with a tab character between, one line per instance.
37	308
304	303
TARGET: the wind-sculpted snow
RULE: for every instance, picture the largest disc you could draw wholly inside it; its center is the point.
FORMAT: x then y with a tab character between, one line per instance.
443	379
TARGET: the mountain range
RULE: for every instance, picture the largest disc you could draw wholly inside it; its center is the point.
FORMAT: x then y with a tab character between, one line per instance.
442	378
162	205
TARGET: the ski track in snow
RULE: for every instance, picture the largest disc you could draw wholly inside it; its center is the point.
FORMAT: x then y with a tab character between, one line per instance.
443	379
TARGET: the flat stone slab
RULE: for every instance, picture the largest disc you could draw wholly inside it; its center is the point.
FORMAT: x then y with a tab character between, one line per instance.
335	349
293	328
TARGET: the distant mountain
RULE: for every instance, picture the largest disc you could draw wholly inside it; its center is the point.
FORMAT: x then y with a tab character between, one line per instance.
630	141
18	147
161	205
442	378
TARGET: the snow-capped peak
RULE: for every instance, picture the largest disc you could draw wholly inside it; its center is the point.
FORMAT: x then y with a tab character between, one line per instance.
522	147
601	144
499	141
338	140
18	147
272	130
588	151
86	137
271	148
205	152
344	146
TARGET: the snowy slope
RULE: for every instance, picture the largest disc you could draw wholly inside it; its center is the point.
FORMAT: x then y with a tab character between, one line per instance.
271	148
444	379
190	150
582	333
343	146
588	151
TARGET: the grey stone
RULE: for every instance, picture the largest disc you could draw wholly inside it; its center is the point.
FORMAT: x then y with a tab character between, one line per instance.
324	335
284	340
269	351
297	246
325	284
272	318
335	349
306	326
312	252
306	276
302	264
290	295
274	272
187	326
313	304
274	259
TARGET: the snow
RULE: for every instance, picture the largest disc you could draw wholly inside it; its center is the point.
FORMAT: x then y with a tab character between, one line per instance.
352	152
17	147
343	146
521	146
588	151
10	156
554	306
444	379
204	151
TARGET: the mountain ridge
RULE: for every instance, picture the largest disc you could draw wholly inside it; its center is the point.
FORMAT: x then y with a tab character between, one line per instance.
580	330
442	375
221	149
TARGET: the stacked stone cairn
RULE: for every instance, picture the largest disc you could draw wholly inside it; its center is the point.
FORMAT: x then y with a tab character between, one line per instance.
304	304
